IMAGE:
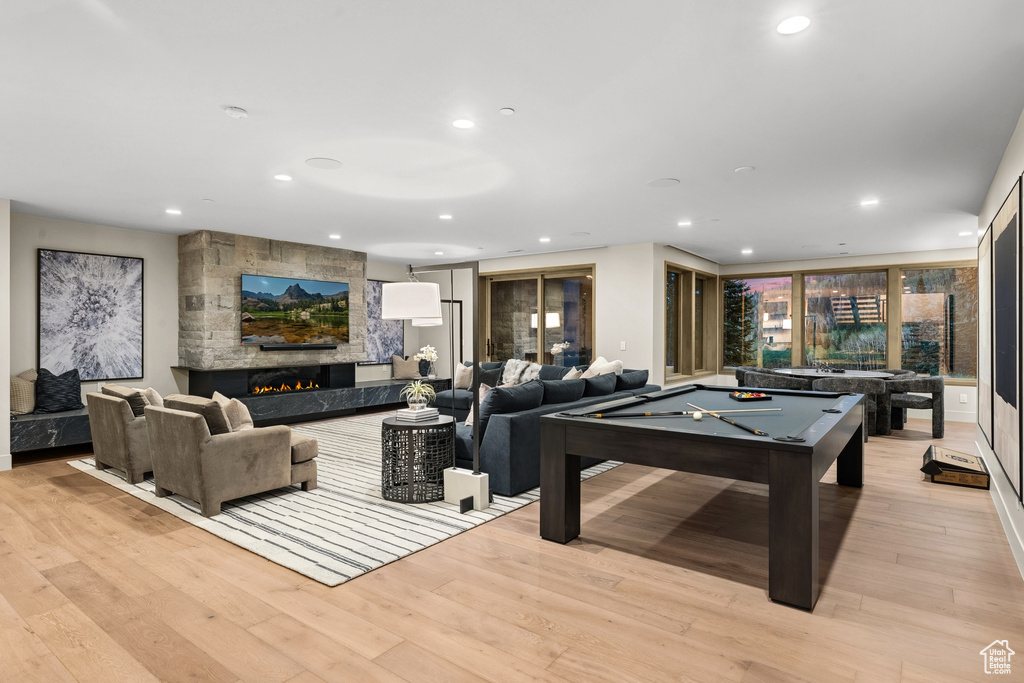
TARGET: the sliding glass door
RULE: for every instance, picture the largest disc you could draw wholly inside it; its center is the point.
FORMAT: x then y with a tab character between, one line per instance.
541	317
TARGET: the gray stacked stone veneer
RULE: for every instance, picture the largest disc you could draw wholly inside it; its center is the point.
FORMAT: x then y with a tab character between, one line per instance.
210	267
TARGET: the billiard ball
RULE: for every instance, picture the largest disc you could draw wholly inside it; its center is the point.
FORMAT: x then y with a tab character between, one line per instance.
698	416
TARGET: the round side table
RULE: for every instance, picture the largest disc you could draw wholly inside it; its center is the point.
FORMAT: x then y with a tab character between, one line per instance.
414	457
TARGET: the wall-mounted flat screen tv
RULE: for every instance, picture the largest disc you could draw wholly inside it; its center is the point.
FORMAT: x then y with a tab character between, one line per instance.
278	310
384	338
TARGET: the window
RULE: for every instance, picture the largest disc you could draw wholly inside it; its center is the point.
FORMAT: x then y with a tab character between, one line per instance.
939	316
688	322
845	320
758	330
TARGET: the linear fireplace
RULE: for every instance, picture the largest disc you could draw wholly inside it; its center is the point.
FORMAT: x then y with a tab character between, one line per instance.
242	382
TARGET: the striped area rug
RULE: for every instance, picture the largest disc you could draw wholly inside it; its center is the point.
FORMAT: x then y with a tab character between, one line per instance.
342	529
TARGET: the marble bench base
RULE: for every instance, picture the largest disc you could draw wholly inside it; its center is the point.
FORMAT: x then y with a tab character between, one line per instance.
31	432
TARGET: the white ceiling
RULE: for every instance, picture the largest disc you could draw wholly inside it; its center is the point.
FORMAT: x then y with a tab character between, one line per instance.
111	111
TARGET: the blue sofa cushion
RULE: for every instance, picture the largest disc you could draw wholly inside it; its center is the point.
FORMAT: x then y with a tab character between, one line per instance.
510	400
563	390
602	385
553	372
631	379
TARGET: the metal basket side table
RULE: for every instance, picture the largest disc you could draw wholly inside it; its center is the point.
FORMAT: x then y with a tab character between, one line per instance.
414	456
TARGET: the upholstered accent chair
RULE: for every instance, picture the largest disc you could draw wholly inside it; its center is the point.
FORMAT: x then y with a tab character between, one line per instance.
213	468
119	438
907	393
876	399
743	370
771	380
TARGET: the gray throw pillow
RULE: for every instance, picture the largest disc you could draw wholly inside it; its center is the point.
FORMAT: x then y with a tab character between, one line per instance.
137	399
405	369
563	390
634	379
214	414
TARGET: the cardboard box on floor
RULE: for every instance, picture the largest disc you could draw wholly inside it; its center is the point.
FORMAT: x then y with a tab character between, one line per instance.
951	467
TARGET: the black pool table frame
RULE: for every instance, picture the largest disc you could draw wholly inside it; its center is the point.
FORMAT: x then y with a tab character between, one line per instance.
791	470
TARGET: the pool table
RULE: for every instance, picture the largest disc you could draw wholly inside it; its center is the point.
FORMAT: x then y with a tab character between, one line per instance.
810	432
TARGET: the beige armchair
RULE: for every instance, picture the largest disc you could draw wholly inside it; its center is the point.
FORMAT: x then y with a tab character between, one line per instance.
119	438
212	469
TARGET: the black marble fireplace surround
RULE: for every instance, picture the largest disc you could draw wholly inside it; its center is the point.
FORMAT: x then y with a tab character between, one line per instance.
338	392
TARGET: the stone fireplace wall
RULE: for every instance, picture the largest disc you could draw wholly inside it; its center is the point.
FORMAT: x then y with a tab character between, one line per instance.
210	267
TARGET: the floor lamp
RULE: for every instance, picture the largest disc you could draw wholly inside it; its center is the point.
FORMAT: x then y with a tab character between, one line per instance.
461	485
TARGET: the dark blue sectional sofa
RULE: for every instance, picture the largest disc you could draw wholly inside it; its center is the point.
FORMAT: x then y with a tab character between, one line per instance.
510	420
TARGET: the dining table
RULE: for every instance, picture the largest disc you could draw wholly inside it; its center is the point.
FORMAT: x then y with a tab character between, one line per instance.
824	372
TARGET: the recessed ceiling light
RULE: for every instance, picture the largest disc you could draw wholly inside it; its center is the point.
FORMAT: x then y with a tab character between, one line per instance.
747	251
545	239
173	212
208	201
282	177
966	234
323	162
515	251
580	233
335	237
743	169
462	123
438	253
663	182
684	224
835	291
236	112
506	111
868	202
793	25
445	216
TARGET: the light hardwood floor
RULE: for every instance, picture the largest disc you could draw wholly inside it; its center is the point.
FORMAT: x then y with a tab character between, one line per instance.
668	582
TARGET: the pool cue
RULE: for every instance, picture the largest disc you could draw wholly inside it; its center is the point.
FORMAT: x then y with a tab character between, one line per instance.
678	412
755	432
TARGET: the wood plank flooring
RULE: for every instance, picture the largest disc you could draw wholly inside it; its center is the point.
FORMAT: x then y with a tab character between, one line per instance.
668	582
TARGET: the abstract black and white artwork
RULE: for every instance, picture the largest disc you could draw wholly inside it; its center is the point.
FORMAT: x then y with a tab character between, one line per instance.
384	338
90	314
1006	408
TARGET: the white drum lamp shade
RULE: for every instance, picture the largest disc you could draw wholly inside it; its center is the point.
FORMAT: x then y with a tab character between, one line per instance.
427	322
407	300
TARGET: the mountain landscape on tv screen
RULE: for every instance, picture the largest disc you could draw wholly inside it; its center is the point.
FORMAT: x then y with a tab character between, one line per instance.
296	315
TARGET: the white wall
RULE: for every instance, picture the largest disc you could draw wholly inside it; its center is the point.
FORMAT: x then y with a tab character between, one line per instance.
1010	511
160	290
624	311
5	336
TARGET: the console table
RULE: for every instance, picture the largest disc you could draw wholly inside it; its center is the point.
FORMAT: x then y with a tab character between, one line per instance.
414	457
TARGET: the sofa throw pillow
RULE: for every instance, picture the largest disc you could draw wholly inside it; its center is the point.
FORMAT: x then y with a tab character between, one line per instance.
214	414
23	396
562	391
510	399
57	393
574	373
136	399
602	385
592	370
236	412
490	377
552	372
405	369
483	391
154	397
463	376
634	379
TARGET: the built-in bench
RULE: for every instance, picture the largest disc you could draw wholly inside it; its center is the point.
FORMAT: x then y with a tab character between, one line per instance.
50	430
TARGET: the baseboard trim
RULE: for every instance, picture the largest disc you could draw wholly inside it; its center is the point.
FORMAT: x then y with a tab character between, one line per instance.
1005	501
6	462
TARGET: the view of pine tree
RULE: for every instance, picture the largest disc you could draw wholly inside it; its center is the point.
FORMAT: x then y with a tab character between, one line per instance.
740	335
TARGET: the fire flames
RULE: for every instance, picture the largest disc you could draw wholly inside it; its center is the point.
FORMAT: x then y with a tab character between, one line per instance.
299	386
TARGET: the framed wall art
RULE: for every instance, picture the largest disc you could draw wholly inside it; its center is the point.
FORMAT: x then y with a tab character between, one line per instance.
384	338
985	335
90	314
1006	346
